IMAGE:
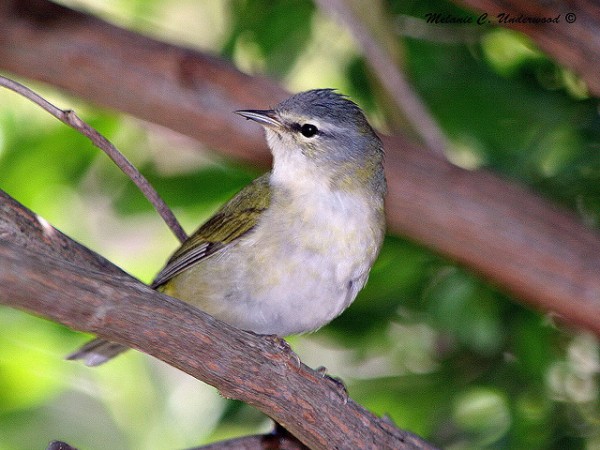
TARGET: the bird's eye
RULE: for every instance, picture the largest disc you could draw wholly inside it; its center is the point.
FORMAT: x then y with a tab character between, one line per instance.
308	130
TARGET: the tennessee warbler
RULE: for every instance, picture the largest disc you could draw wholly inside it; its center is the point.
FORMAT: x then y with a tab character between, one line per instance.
291	250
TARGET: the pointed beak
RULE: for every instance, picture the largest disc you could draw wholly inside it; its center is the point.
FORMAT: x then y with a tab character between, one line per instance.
266	117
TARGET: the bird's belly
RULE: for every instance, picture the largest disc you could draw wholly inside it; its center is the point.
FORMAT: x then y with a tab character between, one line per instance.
286	278
301	293
296	294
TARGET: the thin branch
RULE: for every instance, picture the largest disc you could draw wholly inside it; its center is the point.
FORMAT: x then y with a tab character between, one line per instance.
69	117
389	74
255	369
260	442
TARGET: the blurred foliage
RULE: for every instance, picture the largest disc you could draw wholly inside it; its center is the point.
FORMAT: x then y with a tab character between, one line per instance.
268	31
428	343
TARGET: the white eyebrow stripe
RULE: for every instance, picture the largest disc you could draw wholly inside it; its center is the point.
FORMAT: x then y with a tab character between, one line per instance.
331	128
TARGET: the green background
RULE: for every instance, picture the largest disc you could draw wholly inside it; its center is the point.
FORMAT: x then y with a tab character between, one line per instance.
427	343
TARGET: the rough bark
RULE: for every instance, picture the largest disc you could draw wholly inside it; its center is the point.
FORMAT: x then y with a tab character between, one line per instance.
47	274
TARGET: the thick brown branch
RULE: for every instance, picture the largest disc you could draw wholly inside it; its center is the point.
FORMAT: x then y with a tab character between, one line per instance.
540	253
513	237
179	88
255	369
30	231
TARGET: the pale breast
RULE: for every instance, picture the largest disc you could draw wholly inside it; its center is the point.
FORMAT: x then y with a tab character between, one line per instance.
299	268
305	270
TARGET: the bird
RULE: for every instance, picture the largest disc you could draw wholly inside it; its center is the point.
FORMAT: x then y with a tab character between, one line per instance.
290	251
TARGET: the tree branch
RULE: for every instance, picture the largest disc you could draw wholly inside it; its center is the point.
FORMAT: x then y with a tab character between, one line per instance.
259	442
575	44
280	439
74	288
59	445
540	253
383	60
187	91
516	239
70	118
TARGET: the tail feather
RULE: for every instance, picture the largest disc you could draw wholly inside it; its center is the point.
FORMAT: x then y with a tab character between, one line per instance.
97	352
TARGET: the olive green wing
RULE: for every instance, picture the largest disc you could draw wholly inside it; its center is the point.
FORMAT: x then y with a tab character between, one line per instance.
238	216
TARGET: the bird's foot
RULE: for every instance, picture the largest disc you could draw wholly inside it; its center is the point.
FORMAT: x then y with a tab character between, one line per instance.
336	381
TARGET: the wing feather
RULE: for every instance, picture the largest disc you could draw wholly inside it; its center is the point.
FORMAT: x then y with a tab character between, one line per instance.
237	217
